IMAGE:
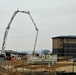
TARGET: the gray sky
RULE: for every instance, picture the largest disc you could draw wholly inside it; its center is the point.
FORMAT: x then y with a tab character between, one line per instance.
52	17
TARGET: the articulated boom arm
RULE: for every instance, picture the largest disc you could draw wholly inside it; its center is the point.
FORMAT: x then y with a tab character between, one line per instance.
8	27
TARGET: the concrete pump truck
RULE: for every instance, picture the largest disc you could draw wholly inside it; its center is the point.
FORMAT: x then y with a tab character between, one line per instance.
7	55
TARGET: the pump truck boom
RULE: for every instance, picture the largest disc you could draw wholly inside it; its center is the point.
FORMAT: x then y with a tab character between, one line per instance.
8	27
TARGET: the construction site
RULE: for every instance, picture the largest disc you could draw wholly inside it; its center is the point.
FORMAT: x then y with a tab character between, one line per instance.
32	64
22	66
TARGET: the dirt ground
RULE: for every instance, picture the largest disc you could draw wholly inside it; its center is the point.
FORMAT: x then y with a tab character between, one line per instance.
14	67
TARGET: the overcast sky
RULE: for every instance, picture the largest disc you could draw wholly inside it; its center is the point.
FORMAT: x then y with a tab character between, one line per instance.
52	17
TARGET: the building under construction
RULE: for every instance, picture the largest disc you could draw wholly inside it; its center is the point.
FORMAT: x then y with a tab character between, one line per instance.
64	45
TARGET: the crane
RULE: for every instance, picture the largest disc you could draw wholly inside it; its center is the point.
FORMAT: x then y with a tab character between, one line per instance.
8	28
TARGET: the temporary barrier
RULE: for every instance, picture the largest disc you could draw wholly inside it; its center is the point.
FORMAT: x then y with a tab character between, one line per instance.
34	60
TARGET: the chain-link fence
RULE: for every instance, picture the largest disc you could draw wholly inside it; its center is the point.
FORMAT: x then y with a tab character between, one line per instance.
22	67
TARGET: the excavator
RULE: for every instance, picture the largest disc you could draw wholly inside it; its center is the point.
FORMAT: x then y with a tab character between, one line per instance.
8	28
